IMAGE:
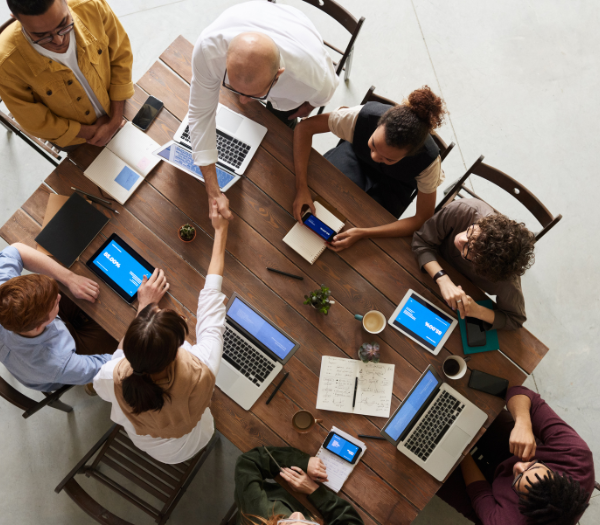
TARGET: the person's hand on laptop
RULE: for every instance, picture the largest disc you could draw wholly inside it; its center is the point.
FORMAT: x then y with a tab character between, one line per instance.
151	290
83	288
303	198
345	239
317	471
299	480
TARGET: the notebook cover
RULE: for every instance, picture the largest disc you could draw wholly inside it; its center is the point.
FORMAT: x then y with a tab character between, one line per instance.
71	230
491	335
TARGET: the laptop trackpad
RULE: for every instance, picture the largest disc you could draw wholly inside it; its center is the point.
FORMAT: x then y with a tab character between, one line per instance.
455	441
228	120
227	377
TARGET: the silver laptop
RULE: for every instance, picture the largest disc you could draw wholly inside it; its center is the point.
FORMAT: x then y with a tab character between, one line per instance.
254	352
434	425
238	138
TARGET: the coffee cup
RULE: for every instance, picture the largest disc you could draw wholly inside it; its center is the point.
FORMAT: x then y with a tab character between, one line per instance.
303	421
455	367
373	321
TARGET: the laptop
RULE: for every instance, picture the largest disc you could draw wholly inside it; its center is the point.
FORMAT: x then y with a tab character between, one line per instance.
433	425
238	139
254	352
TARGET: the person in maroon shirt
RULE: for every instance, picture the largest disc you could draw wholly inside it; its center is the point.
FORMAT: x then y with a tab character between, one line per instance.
530	467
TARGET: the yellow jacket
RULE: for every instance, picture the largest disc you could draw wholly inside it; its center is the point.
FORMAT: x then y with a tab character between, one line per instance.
44	96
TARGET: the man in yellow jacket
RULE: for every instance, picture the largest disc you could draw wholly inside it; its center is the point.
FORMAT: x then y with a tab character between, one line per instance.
65	70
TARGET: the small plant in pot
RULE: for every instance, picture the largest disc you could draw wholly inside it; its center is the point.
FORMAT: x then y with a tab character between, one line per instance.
369	353
320	299
187	233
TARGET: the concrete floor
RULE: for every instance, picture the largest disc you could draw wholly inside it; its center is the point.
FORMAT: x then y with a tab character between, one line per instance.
516	77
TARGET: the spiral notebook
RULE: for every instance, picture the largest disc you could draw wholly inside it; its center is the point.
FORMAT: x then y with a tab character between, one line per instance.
306	242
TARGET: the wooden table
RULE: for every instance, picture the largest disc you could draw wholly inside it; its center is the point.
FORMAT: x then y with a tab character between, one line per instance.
385	487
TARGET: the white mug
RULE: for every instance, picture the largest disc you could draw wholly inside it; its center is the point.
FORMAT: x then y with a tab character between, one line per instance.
462	366
372	316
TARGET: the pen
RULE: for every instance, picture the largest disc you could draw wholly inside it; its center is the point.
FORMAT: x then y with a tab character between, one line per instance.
277	387
371	437
355	387
277	464
285	273
98	199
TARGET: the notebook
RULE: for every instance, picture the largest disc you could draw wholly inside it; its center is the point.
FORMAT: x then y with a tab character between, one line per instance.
71	230
124	163
336	386
306	242
490	335
339	470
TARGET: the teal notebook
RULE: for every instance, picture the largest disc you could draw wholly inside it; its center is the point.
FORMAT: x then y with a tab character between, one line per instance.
491	335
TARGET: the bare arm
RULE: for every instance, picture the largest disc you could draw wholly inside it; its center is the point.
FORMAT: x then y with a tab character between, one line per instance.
217	260
209	173
522	441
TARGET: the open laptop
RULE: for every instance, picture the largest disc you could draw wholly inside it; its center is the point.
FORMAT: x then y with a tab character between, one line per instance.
238	138
254	352
433	425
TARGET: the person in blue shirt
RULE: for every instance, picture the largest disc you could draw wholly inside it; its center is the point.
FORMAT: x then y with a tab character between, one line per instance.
46	341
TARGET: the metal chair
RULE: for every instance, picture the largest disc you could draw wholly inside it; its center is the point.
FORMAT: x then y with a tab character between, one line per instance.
167	483
30	406
508	184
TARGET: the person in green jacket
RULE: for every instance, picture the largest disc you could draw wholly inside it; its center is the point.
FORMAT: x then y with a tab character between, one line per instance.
262	501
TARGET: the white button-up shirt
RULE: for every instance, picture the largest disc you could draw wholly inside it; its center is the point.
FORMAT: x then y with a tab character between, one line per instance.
309	74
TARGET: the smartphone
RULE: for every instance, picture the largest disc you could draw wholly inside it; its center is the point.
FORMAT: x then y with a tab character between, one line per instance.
488	383
318	226
147	113
475	332
342	447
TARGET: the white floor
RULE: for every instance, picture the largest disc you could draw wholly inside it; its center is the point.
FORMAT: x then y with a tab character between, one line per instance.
520	80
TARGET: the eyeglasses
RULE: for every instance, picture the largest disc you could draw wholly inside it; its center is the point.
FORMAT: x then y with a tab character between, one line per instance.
470	232
60	32
518	478
228	86
288	521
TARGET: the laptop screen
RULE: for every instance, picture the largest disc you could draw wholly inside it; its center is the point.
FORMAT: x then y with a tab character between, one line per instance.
411	406
261	329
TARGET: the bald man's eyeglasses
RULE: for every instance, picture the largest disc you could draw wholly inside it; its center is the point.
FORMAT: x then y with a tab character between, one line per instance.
228	86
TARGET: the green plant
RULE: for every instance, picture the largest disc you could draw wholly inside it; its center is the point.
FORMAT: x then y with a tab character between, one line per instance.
369	352
320	299
187	232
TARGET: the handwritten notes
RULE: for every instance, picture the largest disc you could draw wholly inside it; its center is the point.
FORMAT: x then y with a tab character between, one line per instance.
336	386
338	469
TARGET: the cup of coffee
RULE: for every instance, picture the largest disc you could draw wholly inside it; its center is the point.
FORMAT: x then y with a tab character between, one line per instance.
373	321
455	366
303	421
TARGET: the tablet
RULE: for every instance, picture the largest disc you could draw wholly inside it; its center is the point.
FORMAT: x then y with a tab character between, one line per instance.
181	158
119	266
422	322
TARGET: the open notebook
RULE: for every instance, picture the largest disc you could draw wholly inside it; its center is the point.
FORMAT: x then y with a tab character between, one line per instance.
124	163
306	242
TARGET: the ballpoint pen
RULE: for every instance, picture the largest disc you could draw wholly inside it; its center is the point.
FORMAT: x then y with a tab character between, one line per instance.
97	200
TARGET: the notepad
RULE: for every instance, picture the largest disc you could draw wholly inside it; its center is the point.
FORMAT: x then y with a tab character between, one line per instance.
336	386
338	470
124	163
306	242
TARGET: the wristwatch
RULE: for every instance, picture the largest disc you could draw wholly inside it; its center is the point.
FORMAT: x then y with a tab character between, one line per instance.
438	275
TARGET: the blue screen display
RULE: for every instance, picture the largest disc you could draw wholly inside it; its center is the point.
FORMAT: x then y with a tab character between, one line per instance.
255	325
121	267
426	325
411	406
319	227
342	447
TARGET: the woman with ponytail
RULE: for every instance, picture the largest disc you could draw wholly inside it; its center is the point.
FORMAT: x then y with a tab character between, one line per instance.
388	151
160	385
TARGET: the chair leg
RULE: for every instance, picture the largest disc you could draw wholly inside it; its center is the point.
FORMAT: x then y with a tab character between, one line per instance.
52	399
230	514
348	65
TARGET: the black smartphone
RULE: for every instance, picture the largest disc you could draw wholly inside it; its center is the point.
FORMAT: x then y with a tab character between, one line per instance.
475	332
318	226
147	113
342	447
488	383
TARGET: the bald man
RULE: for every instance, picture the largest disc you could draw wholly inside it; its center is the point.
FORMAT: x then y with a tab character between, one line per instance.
258	50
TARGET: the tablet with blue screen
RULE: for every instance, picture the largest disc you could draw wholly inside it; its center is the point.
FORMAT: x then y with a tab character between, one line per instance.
422	322
119	266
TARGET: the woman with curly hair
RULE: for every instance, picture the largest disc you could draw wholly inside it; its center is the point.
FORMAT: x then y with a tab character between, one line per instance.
492	250
388	151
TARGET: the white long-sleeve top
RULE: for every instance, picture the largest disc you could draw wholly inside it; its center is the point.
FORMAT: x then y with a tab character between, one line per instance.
209	349
309	74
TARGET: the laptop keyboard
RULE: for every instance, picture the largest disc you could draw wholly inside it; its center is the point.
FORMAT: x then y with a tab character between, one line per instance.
434	426
249	361
232	151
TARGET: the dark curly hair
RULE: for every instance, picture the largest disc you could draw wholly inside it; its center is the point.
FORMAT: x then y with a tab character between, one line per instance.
408	125
503	249
553	500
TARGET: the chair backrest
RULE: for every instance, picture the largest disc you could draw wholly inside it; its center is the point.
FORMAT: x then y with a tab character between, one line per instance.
511	186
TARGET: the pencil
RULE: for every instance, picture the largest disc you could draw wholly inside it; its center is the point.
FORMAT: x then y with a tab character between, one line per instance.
287	274
277	387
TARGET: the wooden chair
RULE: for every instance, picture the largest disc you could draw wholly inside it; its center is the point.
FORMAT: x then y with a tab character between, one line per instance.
508	184
43	147
371	96
30	406
167	483
351	24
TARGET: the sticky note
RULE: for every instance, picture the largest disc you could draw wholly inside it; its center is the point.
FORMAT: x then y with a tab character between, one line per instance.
127	178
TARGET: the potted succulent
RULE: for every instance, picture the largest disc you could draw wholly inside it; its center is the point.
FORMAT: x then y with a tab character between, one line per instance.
187	233
369	353
320	299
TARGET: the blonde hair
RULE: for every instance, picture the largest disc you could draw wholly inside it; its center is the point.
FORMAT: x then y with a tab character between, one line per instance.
247	519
